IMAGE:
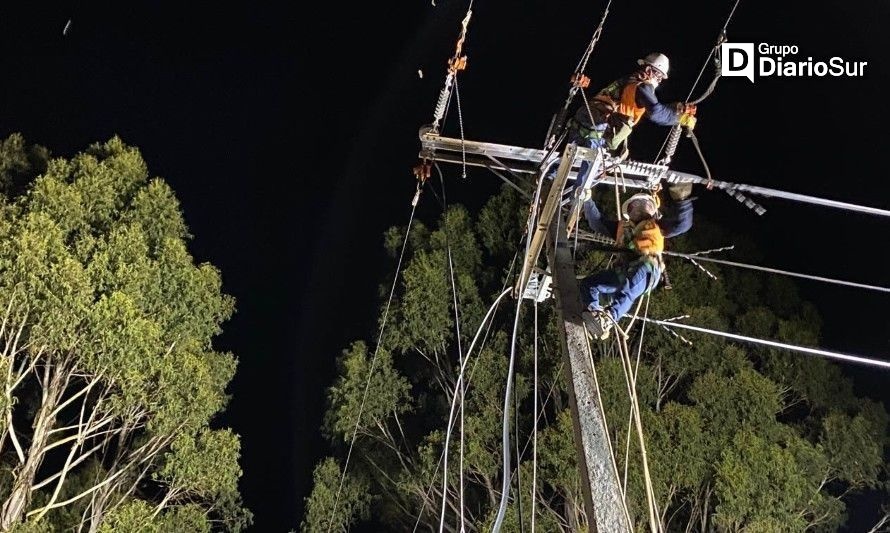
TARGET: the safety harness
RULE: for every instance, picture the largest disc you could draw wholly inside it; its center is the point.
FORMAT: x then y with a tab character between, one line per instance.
645	238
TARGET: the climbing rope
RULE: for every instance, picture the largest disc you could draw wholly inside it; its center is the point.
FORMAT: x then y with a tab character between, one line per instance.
630	378
630	414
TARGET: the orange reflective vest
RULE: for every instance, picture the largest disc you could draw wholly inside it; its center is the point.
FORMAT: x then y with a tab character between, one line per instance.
645	237
628	104
622	100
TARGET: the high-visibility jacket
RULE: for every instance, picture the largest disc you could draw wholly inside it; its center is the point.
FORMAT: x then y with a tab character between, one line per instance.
622	99
634	98
645	238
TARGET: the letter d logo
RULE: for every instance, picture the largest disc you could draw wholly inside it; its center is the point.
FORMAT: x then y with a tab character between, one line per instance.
738	60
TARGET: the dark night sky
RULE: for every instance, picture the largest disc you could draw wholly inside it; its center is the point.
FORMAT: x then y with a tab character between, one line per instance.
288	131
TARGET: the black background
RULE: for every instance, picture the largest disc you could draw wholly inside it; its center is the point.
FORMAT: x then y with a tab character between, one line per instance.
288	131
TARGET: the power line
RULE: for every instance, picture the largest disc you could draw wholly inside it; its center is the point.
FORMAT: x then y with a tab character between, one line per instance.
696	257
777	271
361	408
776	344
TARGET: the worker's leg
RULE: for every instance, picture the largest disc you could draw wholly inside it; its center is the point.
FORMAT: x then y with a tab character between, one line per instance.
637	281
599	283
588	171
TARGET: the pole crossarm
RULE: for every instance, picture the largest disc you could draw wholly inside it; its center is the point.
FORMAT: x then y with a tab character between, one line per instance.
642	175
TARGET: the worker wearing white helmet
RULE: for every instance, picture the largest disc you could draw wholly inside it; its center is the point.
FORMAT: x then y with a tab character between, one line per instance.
612	113
609	294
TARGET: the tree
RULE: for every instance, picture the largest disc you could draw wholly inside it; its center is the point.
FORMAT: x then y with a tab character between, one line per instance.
110	380
738	438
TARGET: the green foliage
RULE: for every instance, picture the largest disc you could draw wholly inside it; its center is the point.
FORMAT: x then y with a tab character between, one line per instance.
205	464
765	487
742	401
137	516
132	517
391	391
855	444
96	276
739	438
352	499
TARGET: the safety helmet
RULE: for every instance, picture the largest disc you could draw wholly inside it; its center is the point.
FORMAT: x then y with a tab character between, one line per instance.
657	61
640	206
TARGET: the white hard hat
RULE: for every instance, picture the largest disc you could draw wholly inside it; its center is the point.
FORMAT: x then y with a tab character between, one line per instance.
657	61
637	205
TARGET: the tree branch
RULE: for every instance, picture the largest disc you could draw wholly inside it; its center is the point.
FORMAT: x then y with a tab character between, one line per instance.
75	498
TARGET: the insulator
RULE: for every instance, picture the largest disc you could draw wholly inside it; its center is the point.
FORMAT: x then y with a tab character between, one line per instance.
444	95
673	141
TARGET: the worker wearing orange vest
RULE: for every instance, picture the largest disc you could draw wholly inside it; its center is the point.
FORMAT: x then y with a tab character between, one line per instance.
609	294
614	111
622	104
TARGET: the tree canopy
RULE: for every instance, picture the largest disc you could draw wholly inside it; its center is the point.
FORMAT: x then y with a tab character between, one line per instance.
738	437
111	381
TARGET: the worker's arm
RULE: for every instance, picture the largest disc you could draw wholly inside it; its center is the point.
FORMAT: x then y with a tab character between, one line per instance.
597	222
662	114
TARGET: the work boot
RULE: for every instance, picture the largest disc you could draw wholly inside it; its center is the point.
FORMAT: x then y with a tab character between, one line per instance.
597	324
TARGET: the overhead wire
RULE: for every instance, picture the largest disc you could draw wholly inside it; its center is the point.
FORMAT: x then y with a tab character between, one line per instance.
698	257
701	72
781	272
505	429
531	222
459	385
455	395
869	361
560	116
492	309
383	323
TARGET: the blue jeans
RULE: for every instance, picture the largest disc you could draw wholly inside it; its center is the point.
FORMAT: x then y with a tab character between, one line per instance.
622	287
585	167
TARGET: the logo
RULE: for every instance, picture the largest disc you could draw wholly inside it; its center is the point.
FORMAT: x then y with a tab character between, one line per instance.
780	61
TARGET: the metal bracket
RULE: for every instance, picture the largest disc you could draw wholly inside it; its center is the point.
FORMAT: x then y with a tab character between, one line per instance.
538	287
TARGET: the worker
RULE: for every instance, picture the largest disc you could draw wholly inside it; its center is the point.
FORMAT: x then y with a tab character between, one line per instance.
612	113
608	294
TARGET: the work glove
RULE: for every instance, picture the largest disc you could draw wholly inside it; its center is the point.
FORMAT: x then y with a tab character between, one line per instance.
682	108
687	121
